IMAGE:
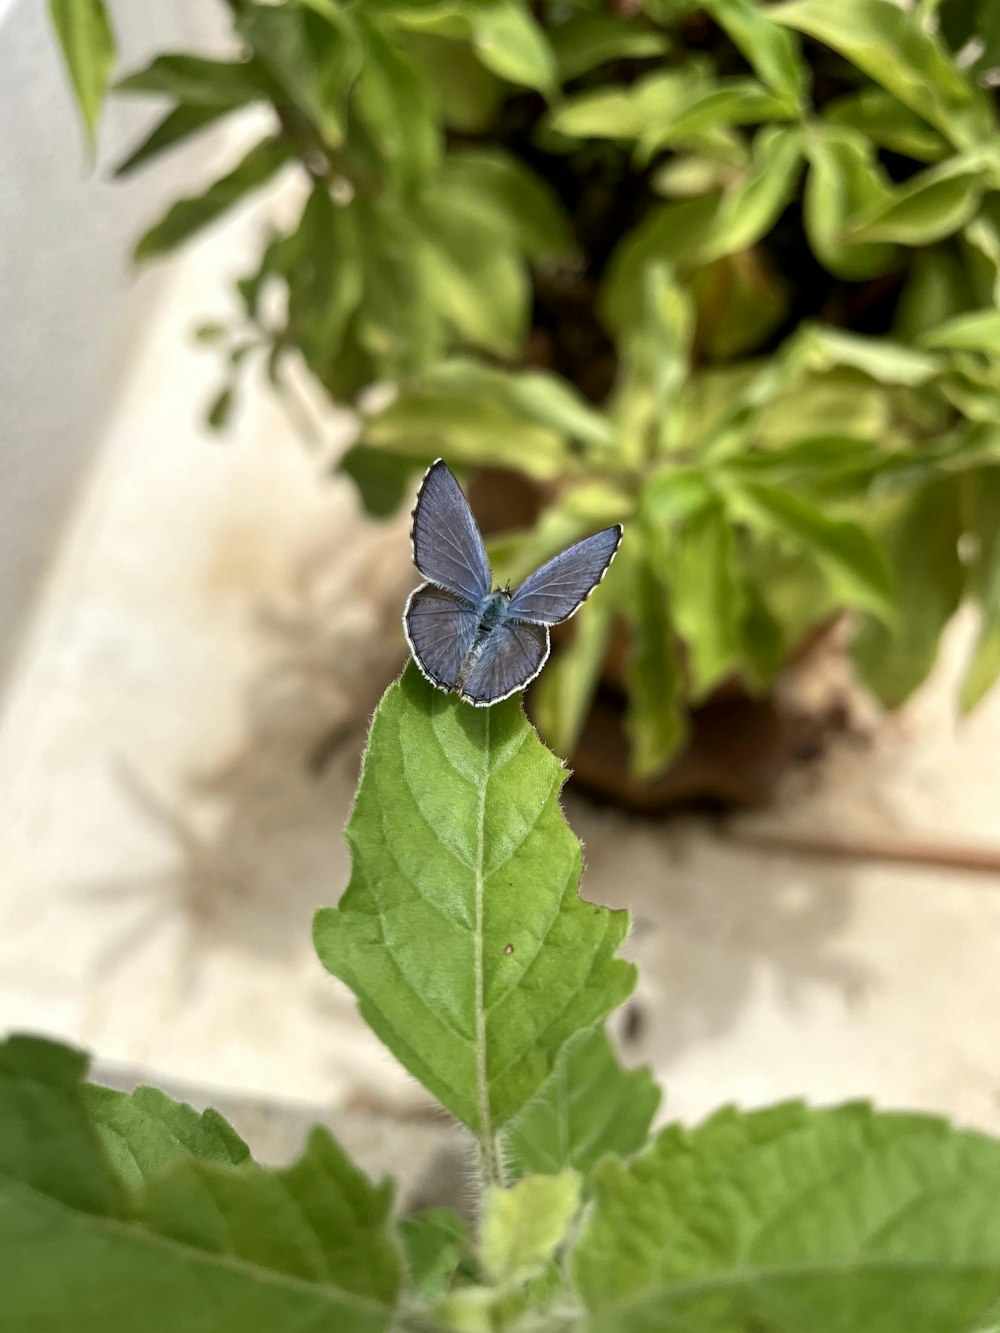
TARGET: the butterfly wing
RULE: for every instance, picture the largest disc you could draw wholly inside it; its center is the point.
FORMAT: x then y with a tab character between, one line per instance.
440	629
512	656
447	547
557	590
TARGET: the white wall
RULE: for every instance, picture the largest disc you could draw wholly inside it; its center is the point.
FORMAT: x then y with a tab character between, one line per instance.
69	305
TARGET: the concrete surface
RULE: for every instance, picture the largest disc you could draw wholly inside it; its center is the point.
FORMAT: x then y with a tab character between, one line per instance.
217	611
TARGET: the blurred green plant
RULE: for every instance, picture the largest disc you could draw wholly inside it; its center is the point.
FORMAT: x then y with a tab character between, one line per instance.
476	962
727	271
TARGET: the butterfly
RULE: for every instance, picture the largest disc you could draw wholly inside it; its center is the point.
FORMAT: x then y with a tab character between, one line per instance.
466	636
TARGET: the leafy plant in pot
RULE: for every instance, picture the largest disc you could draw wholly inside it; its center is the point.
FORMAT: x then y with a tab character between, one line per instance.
725	271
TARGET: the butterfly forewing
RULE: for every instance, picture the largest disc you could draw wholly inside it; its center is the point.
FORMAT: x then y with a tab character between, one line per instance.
447	547
441	629
561	586
512	656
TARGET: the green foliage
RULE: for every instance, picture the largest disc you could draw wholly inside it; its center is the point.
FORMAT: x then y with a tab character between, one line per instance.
461	932
741	252
137	1213
590	1106
790	1218
88	47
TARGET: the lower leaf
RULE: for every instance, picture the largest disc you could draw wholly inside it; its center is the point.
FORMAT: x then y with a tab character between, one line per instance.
190	1235
788	1219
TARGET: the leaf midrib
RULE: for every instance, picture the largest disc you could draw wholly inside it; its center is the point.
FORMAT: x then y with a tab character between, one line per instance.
136	1233
671	1291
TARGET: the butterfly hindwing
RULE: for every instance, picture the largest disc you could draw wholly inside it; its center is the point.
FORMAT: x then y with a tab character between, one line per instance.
560	587
447	547
441	629
512	656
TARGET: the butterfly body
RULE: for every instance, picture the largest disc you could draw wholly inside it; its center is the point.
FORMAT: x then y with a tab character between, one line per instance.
482	642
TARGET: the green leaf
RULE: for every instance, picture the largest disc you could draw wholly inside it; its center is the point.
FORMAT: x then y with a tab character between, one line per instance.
461	932
819	349
314	54
324	278
772	50
175	127
435	1243
562	697
851	562
478	280
937	288
189	216
398	325
187	1240
655	719
221	408
844	182
397	104
668	234
646	108
983	523
472	415
145	1130
919	533
586	41
706	597
751	209
383	479
655	366
524	1225
891	47
198	81
510	42
590	1106
878	117
551	401
88	47
977	331
509	198
719	105
469	96
931	205
788	1219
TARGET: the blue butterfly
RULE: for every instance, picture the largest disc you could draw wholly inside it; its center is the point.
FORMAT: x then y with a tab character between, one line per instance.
487	643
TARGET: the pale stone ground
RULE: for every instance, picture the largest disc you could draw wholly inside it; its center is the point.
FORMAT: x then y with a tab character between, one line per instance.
215	609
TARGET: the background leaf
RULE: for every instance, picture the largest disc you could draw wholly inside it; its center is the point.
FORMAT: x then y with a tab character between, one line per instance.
851	561
982	494
461	932
188	216
893	48
920	534
88	47
510	42
590	1106
175	127
324	278
199	81
186	1239
655	720
788	1219
706	597
773	51
313	53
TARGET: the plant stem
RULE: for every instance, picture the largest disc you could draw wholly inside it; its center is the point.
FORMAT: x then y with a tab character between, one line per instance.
492	1172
